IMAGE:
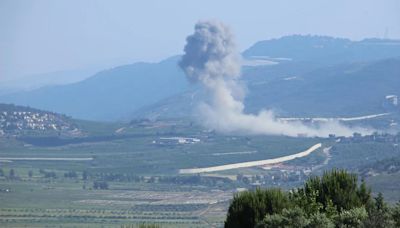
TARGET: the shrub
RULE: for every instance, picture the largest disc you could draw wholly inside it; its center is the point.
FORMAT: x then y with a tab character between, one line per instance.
250	207
293	217
320	220
353	218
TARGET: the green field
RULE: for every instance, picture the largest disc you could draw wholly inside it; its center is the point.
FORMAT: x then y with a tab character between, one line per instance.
133	178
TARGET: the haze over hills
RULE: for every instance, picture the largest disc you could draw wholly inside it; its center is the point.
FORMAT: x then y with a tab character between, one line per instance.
47	79
310	72
347	89
109	94
314	93
325	50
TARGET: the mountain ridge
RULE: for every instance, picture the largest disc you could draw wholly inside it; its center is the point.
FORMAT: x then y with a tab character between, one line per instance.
116	93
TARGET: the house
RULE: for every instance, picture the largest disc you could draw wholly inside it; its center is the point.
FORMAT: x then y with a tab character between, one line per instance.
176	140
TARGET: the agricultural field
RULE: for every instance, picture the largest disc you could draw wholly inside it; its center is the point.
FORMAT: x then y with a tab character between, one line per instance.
129	174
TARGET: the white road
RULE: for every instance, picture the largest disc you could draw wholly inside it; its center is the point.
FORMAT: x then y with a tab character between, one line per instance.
44	159
320	119
252	163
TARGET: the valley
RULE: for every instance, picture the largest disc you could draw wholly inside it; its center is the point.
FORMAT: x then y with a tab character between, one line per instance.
133	178
199	114
129	145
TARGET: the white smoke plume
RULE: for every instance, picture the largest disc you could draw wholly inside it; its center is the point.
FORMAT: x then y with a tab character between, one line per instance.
211	59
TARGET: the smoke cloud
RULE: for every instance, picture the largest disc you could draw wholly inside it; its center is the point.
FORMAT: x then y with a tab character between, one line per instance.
211	59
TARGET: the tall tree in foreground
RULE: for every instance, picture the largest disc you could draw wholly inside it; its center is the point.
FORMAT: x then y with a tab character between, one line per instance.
336	199
339	187
249	208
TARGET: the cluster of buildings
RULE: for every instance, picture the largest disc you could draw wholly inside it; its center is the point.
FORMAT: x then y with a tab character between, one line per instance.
14	121
357	138
175	141
277	176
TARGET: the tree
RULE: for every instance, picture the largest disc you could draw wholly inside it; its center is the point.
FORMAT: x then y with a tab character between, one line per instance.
334	200
379	215
250	207
85	175
141	225
51	174
364	193
70	174
100	185
308	201
340	187
396	215
11	174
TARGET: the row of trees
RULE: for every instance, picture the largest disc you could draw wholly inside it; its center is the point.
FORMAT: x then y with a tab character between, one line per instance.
46	174
100	185
141	225
334	200
12	175
127	177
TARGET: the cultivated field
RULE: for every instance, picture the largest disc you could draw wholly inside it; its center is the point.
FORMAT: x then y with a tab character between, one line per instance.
129	177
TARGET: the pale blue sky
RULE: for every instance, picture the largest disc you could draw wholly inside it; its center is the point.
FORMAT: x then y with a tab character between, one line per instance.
38	36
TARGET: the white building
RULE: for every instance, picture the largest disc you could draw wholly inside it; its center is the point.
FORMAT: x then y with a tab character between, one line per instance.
177	140
393	99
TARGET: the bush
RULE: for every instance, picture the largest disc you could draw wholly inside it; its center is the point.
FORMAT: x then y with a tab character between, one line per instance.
354	217
293	217
250	207
320	220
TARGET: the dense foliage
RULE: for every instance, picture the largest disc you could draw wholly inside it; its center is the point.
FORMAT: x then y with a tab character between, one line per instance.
336	199
247	208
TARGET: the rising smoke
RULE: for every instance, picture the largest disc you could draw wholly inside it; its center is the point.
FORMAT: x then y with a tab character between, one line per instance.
211	59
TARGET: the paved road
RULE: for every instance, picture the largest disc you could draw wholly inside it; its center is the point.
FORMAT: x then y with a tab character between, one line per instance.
252	163
45	159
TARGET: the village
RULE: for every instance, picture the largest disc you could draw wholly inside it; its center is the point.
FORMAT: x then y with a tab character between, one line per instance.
13	122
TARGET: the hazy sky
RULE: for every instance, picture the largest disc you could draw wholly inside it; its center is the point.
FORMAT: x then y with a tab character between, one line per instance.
38	36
